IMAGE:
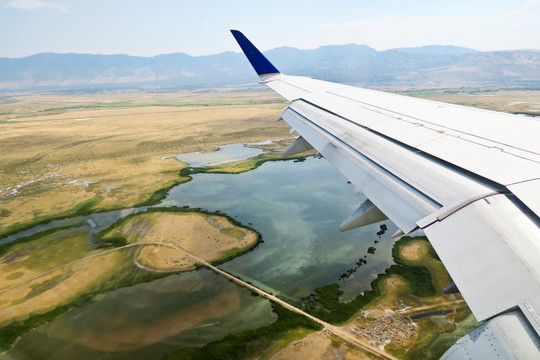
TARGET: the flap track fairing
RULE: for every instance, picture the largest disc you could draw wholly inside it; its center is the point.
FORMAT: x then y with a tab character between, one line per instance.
366	214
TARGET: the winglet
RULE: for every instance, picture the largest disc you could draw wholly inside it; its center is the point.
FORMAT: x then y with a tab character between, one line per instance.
262	66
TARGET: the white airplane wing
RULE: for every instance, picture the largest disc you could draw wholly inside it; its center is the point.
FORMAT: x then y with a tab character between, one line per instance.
469	178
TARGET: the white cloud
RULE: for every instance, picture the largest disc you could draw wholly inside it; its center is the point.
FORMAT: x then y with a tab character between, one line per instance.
507	30
35	4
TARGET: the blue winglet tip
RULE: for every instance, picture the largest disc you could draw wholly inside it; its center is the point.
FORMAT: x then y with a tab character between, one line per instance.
260	63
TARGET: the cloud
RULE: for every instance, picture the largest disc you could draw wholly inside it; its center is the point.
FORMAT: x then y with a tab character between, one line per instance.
512	29
35	4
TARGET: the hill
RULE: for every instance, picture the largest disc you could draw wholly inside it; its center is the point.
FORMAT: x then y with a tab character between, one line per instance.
353	64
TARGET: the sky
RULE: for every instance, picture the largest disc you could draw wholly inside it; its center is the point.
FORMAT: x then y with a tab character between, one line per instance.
153	27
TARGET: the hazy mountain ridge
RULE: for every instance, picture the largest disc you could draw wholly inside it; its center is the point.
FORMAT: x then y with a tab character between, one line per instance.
357	64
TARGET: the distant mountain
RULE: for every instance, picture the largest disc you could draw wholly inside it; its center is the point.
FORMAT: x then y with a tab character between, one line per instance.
354	64
438	49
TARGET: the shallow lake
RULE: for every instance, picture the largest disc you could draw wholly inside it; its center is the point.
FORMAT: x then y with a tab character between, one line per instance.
296	206
227	153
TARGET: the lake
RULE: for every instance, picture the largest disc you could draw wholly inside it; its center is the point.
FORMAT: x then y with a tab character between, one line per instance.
296	206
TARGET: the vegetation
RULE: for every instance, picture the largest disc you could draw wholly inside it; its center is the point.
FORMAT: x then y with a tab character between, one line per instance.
82	209
116	241
239	166
326	302
160	194
288	327
127	275
5	248
112	151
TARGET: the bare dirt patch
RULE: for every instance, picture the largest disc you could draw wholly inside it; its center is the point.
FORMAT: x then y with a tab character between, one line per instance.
319	346
411	252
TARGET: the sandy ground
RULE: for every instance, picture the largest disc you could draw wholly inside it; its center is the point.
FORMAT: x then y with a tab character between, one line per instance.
388	299
318	346
412	251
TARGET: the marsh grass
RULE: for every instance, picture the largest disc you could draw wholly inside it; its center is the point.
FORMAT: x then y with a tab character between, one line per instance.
126	275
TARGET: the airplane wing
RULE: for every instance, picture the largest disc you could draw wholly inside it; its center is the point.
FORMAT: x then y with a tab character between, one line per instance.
469	178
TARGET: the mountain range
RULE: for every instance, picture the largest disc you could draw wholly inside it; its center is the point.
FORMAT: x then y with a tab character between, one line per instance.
352	64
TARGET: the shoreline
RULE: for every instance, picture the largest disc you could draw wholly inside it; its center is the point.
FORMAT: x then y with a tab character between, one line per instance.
11	332
158	196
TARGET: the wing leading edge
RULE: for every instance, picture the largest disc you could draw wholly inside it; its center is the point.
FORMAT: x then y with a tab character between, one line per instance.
468	178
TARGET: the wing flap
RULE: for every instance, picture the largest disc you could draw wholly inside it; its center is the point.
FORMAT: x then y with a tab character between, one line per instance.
299	146
377	186
491	250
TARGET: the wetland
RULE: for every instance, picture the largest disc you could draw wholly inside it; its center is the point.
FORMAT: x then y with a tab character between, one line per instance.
83	176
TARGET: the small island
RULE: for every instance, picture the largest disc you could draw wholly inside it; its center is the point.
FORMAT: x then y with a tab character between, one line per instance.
213	238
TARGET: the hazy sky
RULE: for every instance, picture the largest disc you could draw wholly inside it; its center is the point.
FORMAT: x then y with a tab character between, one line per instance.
152	27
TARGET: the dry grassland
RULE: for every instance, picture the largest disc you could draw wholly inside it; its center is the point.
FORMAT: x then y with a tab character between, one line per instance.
55	288
28	260
412	252
58	153
211	238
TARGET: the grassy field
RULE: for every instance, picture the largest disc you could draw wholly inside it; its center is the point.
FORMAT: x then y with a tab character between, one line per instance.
63	155
47	273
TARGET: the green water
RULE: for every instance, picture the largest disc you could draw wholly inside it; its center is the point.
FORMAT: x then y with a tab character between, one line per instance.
297	207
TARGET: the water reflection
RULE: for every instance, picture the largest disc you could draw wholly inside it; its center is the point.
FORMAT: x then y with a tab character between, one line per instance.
227	153
297	207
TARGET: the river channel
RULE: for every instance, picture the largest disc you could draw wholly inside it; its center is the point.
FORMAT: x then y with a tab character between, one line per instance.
296	206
